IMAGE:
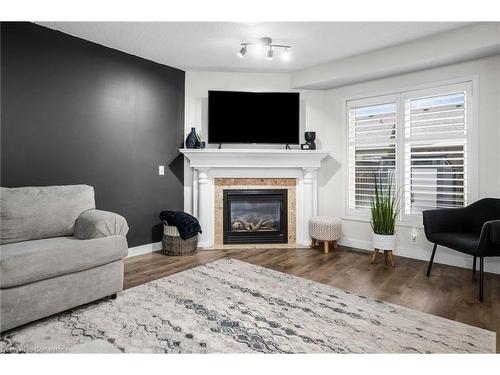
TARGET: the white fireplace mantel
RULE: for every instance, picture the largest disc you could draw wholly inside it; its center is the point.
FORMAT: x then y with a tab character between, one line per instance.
209	164
249	158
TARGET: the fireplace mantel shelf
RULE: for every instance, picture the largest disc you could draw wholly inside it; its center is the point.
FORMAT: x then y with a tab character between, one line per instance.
251	158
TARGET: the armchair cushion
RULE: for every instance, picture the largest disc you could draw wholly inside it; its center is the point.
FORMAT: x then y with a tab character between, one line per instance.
35	212
444	220
465	242
26	262
98	223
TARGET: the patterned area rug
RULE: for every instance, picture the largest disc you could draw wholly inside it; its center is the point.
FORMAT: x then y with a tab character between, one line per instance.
229	306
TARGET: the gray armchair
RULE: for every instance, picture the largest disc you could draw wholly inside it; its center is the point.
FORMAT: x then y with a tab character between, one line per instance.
57	252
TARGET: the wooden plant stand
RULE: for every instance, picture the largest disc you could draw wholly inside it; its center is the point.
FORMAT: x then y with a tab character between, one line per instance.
388	256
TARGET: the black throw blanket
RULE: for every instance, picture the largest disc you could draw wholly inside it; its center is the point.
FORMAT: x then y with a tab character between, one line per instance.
186	224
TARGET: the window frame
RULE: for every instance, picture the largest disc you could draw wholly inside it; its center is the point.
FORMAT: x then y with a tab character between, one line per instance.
467	84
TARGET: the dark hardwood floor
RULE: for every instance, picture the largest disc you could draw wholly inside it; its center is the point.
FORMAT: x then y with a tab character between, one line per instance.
450	292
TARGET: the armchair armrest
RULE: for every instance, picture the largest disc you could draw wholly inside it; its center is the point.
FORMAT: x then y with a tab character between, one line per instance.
491	232
97	224
489	241
443	220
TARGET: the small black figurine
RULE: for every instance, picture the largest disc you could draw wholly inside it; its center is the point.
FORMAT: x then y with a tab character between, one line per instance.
192	139
309	145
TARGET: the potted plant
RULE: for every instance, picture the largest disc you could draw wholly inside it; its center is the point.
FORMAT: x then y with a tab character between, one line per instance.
384	210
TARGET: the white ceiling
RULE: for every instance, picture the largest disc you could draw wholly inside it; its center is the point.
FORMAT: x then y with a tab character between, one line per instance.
213	45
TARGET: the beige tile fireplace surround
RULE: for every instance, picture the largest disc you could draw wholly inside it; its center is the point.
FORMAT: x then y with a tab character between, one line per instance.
222	184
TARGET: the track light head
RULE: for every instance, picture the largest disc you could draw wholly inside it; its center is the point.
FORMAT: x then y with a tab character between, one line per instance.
270	53
285	55
242	52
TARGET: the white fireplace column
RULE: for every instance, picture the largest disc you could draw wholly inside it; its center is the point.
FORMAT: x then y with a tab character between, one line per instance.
203	208
309	206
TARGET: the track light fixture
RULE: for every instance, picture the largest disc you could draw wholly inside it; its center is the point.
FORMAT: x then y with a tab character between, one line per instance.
267	42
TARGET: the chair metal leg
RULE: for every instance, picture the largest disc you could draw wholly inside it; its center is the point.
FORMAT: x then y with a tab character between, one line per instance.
481	279
432	260
474	265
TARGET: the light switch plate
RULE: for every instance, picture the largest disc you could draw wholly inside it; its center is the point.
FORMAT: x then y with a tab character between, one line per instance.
161	170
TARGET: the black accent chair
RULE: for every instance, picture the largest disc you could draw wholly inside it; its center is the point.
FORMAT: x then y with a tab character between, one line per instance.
473	230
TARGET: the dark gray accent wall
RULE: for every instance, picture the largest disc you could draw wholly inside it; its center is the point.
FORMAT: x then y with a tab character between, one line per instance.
75	112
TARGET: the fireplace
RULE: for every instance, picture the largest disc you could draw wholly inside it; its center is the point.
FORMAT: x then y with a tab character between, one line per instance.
255	216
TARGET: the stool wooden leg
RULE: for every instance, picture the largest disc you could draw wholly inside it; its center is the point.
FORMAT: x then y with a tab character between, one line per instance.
374	255
386	256
325	247
313	243
334	244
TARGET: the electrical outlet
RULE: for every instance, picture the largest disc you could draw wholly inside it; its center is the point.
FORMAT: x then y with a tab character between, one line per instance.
414	235
161	170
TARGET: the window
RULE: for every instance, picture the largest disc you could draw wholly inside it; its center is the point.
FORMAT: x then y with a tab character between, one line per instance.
372	148
422	138
435	152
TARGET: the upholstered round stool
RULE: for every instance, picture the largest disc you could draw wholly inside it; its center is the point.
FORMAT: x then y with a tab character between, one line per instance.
326	229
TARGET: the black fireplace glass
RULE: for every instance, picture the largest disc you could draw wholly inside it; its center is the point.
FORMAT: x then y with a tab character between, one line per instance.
255	216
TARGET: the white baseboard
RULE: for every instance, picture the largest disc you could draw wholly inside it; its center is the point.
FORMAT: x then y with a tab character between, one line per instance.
143	249
443	255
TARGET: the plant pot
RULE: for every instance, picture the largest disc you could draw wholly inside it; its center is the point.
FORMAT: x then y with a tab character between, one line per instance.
384	242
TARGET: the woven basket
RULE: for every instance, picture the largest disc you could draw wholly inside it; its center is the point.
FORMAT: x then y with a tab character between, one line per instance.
173	244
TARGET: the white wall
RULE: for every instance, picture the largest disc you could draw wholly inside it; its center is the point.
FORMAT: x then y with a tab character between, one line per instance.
467	43
312	105
323	112
332	187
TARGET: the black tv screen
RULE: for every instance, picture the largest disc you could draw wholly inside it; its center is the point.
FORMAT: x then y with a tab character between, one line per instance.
253	117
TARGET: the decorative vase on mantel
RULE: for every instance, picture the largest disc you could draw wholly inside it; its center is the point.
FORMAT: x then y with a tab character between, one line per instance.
192	139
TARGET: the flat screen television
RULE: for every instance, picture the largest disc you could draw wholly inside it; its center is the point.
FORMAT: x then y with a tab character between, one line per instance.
253	117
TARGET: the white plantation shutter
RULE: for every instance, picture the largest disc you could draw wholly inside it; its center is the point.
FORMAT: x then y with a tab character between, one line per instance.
435	150
422	137
372	148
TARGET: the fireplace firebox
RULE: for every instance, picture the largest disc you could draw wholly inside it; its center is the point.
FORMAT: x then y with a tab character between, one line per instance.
255	216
